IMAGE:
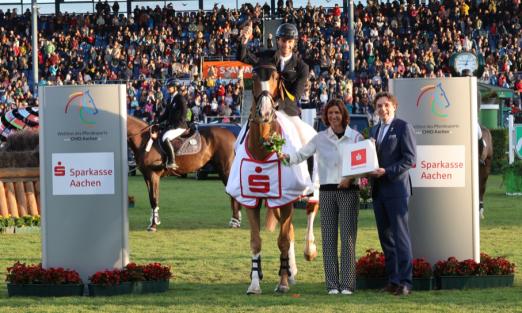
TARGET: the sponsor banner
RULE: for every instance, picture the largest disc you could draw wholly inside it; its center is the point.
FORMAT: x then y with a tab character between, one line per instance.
439	166
83	173
227	69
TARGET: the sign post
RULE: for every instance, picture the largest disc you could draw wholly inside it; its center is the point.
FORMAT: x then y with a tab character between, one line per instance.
83	174
444	207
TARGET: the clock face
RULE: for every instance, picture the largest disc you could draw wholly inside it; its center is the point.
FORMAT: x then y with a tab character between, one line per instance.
466	60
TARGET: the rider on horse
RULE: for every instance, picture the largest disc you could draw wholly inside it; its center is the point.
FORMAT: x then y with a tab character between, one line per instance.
175	117
293	70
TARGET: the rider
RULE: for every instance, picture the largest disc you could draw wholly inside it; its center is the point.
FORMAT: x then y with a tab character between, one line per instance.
293	70
175	116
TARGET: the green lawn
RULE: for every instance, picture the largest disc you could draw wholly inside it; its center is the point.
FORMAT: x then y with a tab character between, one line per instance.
211	263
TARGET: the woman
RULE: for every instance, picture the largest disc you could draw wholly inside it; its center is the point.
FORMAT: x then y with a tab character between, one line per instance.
338	197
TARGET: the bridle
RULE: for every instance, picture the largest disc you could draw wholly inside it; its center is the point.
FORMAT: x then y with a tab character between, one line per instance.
264	94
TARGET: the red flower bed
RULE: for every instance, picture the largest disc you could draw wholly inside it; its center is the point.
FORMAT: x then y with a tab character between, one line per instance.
132	273
372	265
20	273
487	266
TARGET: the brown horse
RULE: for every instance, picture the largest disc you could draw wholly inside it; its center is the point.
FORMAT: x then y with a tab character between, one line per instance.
217	147
484	167
267	88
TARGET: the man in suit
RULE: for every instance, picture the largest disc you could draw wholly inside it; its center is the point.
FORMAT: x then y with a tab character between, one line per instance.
391	190
175	116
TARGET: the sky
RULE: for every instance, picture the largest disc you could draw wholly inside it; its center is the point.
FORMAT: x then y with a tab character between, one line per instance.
47	6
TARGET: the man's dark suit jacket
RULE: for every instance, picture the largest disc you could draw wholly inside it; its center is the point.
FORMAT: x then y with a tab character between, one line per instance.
396	154
295	74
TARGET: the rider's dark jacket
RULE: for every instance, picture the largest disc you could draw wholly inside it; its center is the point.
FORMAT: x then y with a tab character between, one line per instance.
175	113
294	75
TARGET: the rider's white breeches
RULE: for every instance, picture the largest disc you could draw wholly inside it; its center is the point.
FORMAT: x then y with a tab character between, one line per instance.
173	133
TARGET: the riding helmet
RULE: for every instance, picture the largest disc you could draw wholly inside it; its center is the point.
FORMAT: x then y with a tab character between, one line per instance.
172	82
287	31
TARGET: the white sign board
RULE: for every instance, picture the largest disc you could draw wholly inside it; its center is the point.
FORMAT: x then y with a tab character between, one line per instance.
83	173
444	207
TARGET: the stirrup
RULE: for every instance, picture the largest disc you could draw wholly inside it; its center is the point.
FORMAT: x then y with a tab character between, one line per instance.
172	166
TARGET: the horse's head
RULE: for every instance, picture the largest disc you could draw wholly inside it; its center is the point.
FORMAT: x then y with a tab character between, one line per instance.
265	89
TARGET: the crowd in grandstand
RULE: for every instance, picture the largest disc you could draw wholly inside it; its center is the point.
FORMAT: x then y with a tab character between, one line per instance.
392	39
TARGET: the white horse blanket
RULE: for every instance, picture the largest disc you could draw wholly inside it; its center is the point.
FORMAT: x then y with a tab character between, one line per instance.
251	180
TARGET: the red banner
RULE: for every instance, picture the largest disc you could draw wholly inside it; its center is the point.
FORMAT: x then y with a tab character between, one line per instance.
226	69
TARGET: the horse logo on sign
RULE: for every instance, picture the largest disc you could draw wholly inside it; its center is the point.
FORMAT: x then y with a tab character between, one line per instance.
86	106
435	96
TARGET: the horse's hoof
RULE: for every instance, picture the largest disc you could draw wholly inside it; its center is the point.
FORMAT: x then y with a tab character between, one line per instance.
234	223
291	280
152	229
253	291
310	252
281	289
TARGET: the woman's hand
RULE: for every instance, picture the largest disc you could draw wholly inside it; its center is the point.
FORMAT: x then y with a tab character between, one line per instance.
345	183
283	156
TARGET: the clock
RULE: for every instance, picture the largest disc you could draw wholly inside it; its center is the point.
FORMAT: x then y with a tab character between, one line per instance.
467	64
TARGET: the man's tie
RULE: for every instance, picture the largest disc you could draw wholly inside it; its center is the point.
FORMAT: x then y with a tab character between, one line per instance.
381	134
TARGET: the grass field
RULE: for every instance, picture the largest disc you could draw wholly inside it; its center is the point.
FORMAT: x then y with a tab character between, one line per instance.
211	263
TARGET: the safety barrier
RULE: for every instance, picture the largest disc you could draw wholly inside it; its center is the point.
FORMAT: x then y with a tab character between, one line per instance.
19	191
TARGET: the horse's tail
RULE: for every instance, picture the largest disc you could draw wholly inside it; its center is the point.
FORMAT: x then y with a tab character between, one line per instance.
271	219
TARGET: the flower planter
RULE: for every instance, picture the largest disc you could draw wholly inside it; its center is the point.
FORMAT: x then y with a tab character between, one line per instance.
371	282
27	230
464	282
44	290
140	287
423	283
8	230
110	290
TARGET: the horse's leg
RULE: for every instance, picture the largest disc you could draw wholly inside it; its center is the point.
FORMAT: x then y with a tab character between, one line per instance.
256	273
284	242
310	250
152	181
223	164
235	220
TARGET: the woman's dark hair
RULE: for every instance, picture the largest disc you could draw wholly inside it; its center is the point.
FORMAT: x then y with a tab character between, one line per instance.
344	112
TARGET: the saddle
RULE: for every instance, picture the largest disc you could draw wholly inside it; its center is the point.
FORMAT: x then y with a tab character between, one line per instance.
187	143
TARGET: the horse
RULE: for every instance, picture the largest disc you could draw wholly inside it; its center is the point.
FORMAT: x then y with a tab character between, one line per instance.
217	147
485	166
262	128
